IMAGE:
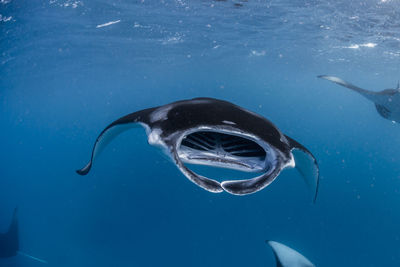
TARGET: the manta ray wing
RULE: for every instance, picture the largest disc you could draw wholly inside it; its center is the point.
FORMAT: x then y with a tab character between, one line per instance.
9	241
373	96
112	131
306	164
387	102
288	257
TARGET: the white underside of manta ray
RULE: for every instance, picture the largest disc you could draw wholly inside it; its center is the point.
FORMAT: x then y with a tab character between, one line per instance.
387	102
288	257
217	133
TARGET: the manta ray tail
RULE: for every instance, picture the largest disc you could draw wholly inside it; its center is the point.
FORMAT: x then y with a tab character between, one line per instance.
306	164
287	257
113	130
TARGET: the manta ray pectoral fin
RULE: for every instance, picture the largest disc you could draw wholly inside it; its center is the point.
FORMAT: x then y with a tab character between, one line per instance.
204	182
113	130
306	164
13	232
12	238
14	222
368	94
9	241
288	257
245	187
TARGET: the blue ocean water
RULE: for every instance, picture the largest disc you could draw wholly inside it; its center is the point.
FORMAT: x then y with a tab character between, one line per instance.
68	68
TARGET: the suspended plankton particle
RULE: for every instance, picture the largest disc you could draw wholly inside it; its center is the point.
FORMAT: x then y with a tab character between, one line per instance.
108	24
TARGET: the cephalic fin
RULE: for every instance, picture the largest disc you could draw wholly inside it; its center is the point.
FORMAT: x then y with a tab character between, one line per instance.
245	187
204	182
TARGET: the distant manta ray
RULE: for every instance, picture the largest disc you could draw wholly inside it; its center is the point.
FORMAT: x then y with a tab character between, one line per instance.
217	133
387	102
288	257
9	241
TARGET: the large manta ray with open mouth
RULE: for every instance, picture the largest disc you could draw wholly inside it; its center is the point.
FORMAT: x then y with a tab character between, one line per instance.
217	133
387	102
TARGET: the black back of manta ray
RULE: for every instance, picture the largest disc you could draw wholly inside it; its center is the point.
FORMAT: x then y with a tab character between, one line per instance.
9	241
217	133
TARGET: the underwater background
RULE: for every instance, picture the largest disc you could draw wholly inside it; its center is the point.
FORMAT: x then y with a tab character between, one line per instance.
69	68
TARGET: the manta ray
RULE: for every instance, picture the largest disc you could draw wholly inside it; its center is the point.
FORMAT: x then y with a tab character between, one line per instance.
288	257
214	132
387	102
9	241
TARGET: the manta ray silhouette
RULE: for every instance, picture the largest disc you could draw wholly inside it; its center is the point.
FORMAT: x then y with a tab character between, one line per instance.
217	133
288	257
9	241
387	102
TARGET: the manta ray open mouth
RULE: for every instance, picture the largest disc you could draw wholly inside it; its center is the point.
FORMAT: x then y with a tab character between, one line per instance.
224	150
